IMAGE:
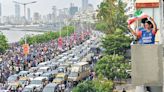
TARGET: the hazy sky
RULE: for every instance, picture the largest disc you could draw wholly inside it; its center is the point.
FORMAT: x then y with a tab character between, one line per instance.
42	6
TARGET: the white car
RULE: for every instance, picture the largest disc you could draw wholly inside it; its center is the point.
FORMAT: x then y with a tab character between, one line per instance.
23	73
31	87
43	69
39	82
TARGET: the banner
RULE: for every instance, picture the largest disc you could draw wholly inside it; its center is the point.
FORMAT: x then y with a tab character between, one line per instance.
60	43
26	49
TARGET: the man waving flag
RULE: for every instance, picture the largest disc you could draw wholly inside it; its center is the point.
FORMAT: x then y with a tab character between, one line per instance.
138	15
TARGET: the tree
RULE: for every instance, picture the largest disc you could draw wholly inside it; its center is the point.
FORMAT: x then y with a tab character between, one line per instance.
3	43
99	85
103	85
112	13
102	26
113	21
86	86
47	36
112	66
116	43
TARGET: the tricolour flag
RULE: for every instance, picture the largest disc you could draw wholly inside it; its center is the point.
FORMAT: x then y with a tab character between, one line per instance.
137	16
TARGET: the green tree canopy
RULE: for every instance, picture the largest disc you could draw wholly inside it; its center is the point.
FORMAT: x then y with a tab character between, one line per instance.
47	36
112	66
3	43
112	13
99	85
102	26
116	43
86	86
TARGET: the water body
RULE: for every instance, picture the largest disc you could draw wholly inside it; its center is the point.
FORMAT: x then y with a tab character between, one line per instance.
15	36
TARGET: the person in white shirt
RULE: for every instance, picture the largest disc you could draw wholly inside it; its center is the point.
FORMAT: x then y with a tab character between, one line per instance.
63	87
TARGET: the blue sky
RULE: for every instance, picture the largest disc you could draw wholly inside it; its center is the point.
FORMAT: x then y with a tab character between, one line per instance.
42	6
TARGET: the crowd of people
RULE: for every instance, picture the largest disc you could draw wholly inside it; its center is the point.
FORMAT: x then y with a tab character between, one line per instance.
13	61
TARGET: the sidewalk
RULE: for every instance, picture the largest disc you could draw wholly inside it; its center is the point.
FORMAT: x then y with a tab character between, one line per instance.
128	87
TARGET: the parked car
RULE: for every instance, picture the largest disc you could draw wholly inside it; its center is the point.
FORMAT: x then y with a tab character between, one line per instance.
23	73
31	88
52	87
61	78
12	78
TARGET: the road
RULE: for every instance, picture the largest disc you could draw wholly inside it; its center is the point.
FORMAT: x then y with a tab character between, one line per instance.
79	51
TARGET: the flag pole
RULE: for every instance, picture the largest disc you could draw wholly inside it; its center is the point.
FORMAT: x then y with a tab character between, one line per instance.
60	28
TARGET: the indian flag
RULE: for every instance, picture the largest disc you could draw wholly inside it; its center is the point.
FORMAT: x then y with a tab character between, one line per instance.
137	16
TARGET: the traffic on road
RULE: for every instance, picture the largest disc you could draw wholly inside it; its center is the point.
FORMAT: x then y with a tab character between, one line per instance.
47	69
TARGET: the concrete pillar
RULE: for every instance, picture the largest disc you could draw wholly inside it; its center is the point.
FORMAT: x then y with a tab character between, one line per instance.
147	67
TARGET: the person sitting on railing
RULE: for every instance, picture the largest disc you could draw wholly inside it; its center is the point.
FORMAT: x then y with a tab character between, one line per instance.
147	35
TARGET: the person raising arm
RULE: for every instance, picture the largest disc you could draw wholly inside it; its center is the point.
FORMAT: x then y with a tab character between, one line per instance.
147	35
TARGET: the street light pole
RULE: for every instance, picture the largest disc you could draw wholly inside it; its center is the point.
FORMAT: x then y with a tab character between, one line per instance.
25	14
24	4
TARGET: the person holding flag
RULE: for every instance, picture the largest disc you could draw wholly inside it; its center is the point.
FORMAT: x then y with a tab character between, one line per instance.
147	35
147	24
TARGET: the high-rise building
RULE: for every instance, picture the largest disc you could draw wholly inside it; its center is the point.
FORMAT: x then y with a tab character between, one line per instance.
50	18
63	12
36	18
73	9
54	10
84	4
17	10
54	13
0	9
90	7
66	11
28	14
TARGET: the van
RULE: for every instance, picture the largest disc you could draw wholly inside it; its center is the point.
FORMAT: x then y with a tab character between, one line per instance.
79	72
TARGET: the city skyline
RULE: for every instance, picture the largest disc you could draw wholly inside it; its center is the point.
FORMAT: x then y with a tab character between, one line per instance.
84	4
17	10
8	5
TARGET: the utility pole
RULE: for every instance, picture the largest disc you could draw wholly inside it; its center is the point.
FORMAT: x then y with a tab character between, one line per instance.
24	4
